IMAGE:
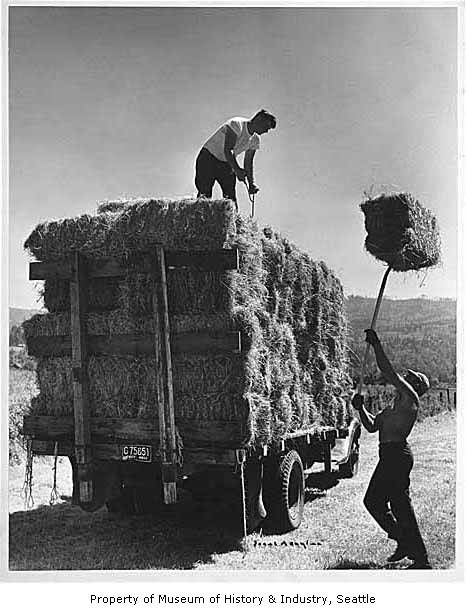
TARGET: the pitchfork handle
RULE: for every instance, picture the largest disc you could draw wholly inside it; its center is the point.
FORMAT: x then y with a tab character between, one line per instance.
252	197
373	323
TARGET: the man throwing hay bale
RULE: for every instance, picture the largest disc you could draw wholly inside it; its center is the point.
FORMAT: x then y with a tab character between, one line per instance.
387	498
217	159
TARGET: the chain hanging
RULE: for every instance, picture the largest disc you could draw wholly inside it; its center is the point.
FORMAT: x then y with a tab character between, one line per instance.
54	497
27	486
243	497
179	448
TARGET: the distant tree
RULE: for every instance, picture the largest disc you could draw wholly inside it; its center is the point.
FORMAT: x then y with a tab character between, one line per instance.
17	335
417	333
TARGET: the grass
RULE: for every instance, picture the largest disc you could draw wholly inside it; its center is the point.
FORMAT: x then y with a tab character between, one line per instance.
337	533
22	387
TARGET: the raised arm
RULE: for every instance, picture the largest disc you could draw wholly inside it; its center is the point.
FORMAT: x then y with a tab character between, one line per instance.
369	421
387	369
230	142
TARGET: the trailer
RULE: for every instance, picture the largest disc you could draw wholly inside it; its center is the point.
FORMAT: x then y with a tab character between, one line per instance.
133	465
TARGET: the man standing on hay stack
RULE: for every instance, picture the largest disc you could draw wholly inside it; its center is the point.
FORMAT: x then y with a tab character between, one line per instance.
387	498
217	159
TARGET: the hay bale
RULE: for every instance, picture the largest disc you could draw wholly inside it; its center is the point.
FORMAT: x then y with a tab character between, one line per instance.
136	227
401	232
292	372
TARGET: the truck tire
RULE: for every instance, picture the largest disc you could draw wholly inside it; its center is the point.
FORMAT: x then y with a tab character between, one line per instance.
284	492
351	467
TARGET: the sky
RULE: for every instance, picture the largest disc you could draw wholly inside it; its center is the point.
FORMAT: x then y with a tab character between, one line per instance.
116	102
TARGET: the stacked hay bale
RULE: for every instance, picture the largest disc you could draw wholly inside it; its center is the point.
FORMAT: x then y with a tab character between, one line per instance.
292	371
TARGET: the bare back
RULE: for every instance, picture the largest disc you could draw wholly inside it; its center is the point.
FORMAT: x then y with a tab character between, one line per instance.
396	423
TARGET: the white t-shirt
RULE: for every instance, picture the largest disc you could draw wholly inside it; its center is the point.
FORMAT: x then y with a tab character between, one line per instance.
216	143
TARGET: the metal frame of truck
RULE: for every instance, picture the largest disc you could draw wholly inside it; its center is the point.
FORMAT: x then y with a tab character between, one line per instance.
109	455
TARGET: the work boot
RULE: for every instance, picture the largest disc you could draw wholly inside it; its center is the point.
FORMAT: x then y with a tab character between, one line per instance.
400	553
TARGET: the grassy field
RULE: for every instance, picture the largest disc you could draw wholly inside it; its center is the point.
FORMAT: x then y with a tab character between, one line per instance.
22	386
337	533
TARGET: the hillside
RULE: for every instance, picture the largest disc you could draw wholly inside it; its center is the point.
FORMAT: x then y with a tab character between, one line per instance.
418	333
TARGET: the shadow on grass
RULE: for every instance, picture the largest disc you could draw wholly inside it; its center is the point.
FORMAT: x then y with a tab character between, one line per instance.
317	485
64	537
322	481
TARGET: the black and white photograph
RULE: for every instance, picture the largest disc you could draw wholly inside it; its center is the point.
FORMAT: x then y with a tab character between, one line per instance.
230	242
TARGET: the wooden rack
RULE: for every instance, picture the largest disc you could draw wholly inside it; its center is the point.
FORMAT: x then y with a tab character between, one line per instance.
78	436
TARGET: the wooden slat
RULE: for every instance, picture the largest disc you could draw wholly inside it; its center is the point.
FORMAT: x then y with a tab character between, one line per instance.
219	433
49	270
206	341
213	260
100	451
162	351
157	350
47	447
209	456
195	458
165	322
78	292
128	430
199	342
82	431
63	269
205	260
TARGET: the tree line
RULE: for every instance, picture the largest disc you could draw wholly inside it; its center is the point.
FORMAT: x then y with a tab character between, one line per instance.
417	334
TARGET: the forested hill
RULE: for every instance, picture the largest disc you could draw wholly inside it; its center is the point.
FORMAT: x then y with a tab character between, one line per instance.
419	334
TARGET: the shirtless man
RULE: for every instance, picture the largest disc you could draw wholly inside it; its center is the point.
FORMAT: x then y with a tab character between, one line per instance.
387	498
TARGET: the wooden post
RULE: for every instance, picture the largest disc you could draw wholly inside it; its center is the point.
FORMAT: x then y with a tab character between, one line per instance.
327	457
82	432
165	401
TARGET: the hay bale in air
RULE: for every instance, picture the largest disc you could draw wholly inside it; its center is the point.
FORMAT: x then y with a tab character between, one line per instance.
293	370
401	232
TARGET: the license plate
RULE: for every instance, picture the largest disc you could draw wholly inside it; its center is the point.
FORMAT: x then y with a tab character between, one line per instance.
140	453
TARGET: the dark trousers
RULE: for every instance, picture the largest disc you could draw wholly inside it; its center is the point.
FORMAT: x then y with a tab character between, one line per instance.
387	498
210	169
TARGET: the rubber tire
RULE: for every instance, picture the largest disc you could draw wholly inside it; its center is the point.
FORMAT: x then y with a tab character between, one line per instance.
351	467
284	492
